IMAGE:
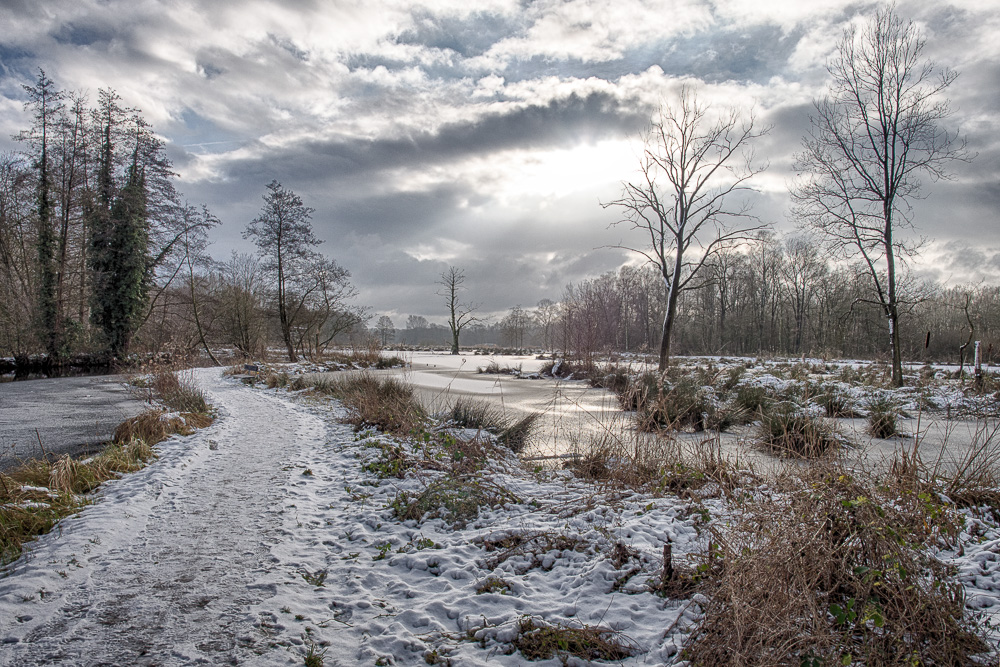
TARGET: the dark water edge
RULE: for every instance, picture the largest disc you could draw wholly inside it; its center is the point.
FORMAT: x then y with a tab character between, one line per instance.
40	368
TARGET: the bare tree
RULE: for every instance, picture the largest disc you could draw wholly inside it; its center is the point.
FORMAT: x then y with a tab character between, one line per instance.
691	165
385	330
513	325
242	305
546	313
872	137
284	239
459	314
801	273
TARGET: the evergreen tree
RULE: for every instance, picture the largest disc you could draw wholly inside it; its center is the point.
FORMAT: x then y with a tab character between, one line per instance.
46	101
120	261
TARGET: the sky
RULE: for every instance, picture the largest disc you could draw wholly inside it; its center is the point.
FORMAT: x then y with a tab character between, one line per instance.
486	135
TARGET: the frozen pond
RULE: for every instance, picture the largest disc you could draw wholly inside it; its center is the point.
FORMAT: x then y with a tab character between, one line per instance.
56	416
574	413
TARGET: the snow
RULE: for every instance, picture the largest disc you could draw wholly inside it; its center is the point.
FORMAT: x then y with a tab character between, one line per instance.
261	538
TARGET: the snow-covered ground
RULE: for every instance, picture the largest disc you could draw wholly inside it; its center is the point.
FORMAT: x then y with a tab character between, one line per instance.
262	539
205	556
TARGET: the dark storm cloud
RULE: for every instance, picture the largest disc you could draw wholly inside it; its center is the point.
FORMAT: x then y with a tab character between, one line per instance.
559	123
733	53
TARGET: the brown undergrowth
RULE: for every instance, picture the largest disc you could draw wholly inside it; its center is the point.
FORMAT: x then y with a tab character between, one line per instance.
834	570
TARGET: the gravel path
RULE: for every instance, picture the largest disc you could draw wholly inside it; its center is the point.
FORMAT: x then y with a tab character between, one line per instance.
170	567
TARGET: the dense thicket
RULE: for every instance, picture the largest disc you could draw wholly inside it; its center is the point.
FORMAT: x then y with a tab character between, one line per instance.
99	256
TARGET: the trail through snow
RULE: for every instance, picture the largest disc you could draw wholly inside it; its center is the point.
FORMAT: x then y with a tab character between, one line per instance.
170	566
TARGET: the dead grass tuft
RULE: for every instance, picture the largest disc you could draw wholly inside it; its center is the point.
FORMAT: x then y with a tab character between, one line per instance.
788	430
657	464
832	572
155	426
386	403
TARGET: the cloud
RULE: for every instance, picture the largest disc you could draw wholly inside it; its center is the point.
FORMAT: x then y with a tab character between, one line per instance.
484	134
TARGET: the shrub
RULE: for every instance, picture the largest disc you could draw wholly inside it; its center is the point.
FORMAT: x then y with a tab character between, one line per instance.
753	399
540	641
477	414
180	394
386	403
882	414
455	499
829	574
834	402
154	426
677	405
519	434
490	417
788	430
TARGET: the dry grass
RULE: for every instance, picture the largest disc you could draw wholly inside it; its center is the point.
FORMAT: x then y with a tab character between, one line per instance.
538	640
657	464
833	570
787	430
386	403
178	392
155	426
515	434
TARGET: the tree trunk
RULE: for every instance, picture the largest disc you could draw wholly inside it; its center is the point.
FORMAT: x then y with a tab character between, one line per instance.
892	311
670	315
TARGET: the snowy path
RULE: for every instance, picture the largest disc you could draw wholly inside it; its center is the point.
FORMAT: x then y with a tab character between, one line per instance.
169	567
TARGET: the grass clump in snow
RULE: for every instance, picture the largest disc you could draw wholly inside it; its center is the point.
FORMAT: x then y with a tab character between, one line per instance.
493	584
179	393
386	403
515	434
656	465
833	571
789	430
155	426
457	500
29	509
537	640
883	412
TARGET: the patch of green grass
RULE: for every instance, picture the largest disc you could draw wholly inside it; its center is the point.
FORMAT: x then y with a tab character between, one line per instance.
313	656
457	500
492	584
540	641
316	578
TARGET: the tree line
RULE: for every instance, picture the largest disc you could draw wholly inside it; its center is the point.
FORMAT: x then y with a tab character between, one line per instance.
98	252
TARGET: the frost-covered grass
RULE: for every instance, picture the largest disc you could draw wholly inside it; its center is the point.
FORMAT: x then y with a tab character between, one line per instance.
824	565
